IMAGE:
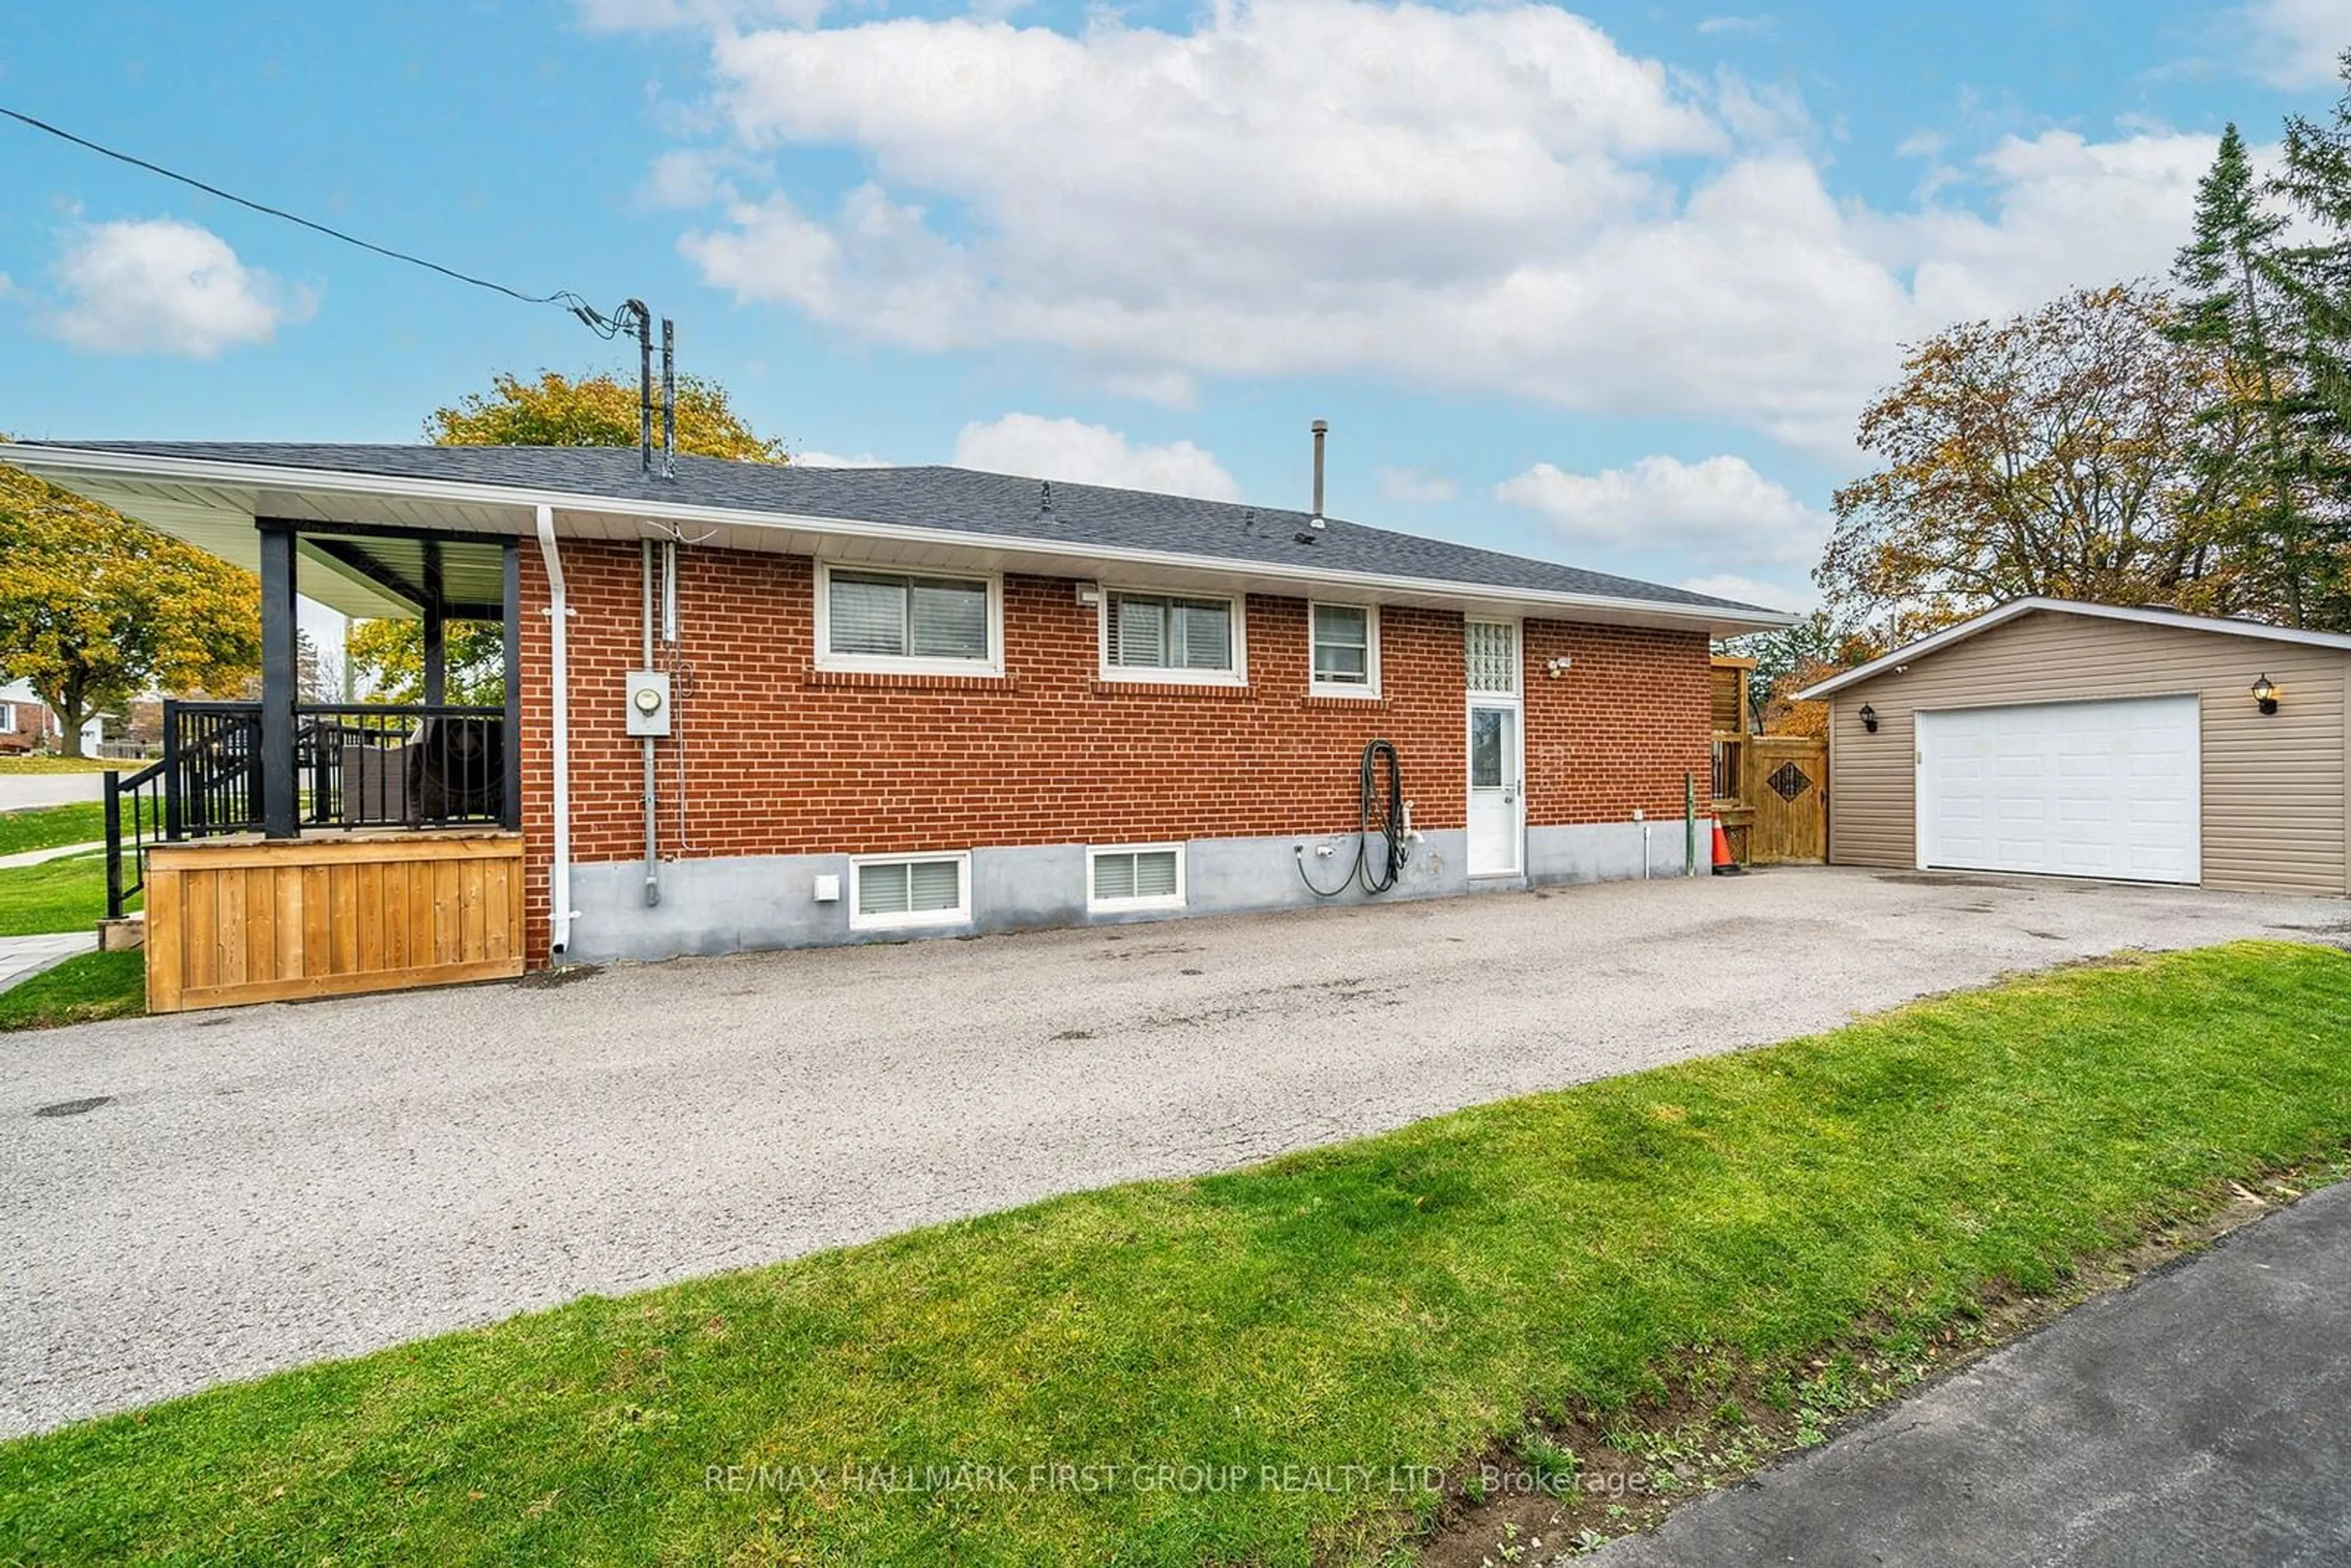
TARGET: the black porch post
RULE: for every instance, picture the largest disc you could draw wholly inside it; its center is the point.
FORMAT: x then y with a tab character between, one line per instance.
436	648
510	800
280	683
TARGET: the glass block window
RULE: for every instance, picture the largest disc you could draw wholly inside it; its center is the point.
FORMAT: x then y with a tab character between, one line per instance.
1493	655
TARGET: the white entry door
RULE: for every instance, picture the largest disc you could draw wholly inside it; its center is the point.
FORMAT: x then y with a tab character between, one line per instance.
2105	789
1496	790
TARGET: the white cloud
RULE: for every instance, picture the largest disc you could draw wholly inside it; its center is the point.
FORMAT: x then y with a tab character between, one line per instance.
1091	455
1414	486
2296	43
811	458
1502	202
1718	508
2065	212
1751	590
687	177
162	287
1735	25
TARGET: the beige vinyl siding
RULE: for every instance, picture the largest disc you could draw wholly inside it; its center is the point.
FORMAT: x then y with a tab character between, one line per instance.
2274	805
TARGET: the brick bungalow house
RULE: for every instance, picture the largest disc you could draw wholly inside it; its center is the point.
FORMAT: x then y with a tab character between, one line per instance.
756	707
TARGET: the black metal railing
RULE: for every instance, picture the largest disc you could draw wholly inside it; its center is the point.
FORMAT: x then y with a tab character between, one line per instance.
143	794
212	768
356	765
372	765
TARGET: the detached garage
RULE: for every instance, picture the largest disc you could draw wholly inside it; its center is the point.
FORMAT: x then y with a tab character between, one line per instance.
2064	740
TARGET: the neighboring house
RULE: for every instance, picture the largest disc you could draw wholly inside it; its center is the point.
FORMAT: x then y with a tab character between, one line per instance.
2086	740
27	724
928	701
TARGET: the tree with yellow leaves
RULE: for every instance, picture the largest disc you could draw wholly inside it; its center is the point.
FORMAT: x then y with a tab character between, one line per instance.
595	411
96	610
2047	453
553	410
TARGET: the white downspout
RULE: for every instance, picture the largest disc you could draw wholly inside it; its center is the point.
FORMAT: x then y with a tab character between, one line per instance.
559	614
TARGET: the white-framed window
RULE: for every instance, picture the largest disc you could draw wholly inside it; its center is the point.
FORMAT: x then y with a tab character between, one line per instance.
1172	637
908	622
8	717
886	891
1343	650
1135	877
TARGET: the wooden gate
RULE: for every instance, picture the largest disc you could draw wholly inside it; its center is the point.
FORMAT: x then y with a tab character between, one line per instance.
1785	783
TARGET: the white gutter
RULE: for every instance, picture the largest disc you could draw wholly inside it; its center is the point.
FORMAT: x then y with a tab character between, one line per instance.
65	459
559	613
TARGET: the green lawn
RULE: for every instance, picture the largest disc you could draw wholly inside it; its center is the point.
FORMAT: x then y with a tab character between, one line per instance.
64	765
1408	1298
67	894
79	991
45	826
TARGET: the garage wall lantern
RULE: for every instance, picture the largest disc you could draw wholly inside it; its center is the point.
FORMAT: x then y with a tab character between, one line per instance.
1869	718
2265	694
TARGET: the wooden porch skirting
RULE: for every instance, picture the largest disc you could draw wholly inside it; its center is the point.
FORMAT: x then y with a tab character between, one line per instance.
254	920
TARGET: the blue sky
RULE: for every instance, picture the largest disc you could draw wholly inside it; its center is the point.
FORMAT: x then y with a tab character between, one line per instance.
1606	284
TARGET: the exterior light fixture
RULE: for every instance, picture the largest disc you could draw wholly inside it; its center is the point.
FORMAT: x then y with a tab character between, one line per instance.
2265	694
1869	718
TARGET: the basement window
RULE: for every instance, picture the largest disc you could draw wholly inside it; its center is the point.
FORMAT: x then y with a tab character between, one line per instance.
893	622
886	891
1346	652
1163	637
1136	876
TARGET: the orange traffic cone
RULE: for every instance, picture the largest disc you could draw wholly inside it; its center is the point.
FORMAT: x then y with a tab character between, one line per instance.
1723	864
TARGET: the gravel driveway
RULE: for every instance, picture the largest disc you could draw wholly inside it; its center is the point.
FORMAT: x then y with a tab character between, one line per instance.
275	1184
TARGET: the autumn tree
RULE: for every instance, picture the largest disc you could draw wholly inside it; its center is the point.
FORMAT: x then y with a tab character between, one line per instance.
1791	658
2043	454
387	658
96	610
598	410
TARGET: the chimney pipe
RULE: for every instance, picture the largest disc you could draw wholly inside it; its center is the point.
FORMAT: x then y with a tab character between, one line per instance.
1321	429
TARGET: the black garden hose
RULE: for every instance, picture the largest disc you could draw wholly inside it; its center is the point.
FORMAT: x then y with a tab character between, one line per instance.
1380	816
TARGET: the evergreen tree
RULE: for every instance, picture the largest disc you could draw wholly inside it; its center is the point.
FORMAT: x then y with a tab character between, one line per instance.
2315	274
2236	308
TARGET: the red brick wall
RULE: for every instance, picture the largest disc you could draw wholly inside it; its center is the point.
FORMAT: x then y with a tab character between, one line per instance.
783	759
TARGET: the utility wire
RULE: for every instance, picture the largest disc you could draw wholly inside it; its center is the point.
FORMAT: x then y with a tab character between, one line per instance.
596	320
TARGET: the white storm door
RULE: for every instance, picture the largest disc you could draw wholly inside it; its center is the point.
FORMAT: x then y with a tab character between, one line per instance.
2108	788
1496	790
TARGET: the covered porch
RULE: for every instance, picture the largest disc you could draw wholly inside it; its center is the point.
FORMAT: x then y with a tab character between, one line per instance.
301	842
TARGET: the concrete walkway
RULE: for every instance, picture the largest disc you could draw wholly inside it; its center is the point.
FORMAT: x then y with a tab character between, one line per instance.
273	1184
2202	1415
41	857
22	958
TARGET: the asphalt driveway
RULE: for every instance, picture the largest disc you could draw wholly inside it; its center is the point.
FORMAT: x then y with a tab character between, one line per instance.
277	1185
2203	1415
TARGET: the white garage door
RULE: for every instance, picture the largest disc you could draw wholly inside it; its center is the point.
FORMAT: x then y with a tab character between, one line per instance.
2084	789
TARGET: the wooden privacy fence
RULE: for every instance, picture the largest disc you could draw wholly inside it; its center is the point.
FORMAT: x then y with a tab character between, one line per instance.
260	921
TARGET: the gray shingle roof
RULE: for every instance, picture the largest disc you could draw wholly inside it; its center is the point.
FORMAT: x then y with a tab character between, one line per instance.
953	500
